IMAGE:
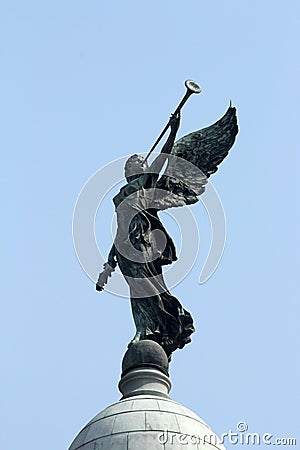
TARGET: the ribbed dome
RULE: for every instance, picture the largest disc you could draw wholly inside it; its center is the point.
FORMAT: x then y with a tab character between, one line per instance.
146	423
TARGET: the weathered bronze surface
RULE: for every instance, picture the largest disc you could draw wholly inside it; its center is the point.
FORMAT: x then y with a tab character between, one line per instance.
142	245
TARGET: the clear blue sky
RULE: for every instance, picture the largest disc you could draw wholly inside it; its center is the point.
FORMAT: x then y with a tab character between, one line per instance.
84	83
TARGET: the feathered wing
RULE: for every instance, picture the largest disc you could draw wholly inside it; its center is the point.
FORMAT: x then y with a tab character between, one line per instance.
193	159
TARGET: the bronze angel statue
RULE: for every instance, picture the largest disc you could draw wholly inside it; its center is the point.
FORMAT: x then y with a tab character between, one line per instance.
142	245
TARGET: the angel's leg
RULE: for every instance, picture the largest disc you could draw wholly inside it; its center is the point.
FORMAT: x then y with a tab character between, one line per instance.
136	338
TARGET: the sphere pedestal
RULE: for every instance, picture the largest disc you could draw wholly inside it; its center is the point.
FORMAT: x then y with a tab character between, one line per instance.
146	418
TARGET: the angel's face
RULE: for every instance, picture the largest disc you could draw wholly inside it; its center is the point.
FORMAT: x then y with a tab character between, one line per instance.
135	166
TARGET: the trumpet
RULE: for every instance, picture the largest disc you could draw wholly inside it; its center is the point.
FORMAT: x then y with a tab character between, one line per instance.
191	88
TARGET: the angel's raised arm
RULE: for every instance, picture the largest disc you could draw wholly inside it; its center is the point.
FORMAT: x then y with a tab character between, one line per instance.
153	172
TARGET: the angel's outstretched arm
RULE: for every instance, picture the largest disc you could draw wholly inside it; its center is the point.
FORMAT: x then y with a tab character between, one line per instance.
160	160
111	259
108	267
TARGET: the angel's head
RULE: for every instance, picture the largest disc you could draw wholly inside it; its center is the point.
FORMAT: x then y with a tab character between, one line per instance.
135	166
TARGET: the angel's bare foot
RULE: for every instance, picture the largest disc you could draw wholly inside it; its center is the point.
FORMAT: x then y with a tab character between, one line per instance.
166	341
136	339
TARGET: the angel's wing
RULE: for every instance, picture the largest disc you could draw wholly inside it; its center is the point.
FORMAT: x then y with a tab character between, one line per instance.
193	159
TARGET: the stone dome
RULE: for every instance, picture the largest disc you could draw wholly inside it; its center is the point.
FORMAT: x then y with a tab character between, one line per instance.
146	422
146	418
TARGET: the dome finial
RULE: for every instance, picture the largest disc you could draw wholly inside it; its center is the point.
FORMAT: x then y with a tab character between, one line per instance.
145	371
